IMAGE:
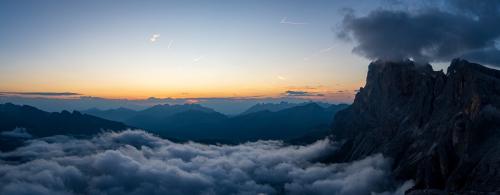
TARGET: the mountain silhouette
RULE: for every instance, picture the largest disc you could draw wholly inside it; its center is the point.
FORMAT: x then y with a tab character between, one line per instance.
18	123
40	123
195	122
119	114
277	107
441	130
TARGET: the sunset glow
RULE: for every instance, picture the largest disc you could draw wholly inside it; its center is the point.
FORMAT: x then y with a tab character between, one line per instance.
58	46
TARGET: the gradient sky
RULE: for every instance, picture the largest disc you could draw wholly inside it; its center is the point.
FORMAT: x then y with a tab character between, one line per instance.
204	48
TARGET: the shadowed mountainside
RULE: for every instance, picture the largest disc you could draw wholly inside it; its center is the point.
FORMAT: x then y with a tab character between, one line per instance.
40	123
441	130
20	122
194	122
279	106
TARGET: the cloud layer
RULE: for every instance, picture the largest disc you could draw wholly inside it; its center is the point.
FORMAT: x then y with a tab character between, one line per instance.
301	93
135	162
459	28
17	133
42	93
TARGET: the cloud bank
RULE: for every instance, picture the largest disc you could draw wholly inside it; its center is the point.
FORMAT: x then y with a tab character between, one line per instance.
42	93
459	28
135	162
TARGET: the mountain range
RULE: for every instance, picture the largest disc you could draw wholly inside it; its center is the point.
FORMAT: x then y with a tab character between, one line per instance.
277	107
18	123
441	130
195	122
40	123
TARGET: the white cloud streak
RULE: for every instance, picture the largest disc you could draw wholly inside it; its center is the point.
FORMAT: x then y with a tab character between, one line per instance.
170	44
154	38
284	20
319	52
199	58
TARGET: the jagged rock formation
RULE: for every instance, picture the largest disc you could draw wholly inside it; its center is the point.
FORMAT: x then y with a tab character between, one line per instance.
442	130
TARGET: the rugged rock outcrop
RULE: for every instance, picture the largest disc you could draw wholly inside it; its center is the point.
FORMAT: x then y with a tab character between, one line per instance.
441	130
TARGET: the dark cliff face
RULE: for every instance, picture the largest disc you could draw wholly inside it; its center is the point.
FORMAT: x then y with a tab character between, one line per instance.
442	130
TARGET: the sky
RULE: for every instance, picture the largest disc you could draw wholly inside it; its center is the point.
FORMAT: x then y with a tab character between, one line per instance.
226	51
179	49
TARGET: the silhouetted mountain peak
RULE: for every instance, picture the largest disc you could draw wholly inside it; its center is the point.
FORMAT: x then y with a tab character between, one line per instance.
442	130
388	74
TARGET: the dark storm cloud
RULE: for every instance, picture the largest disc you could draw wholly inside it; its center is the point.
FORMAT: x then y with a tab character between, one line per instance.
135	162
460	28
42	93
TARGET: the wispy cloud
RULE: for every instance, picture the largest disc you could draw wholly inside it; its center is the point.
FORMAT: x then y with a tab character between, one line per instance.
281	77
198	58
284	20
306	87
326	49
170	44
319	52
16	133
41	93
301	93
154	38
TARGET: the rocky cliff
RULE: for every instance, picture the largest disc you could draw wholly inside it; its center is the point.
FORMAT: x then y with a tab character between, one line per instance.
441	130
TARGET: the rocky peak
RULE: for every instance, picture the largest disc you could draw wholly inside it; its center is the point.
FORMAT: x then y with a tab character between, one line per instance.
393	90
442	130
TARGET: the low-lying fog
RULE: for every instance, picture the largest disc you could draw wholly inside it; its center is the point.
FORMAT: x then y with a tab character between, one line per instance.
136	162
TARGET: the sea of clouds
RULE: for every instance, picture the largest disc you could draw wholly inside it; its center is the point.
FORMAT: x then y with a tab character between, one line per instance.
136	162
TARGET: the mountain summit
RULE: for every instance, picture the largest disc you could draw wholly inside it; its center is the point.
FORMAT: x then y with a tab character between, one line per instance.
441	130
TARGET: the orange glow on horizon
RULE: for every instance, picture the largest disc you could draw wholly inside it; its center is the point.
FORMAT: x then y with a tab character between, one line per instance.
339	93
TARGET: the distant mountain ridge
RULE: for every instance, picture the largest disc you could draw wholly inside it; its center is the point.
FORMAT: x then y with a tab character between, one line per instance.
118	114
274	107
287	123
195	122
441	130
40	123
156	112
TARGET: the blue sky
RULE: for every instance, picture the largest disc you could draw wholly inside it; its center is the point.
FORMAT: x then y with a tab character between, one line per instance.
228	51
203	48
